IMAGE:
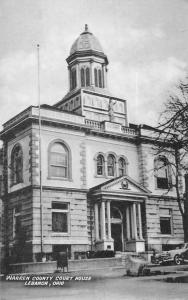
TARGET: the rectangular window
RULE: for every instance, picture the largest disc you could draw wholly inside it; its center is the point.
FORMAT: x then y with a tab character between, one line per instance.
60	216
162	183
165	221
162	173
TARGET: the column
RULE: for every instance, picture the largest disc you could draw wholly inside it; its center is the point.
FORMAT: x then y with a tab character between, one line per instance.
140	221
134	222
96	222
128	223
109	219
103	229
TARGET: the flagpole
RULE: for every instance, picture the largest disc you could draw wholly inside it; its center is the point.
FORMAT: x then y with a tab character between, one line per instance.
136	96
40	154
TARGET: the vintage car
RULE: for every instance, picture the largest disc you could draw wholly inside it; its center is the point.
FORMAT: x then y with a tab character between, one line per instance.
175	255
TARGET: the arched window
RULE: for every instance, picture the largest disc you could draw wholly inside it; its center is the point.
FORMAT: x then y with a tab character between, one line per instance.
59	165
73	79
17	165
96	77
100	164
100	78
87	77
122	166
82	77
162	172
111	165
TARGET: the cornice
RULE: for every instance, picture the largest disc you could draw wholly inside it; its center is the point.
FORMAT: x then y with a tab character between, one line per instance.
10	132
87	53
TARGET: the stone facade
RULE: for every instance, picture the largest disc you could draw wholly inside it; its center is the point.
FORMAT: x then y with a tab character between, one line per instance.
100	192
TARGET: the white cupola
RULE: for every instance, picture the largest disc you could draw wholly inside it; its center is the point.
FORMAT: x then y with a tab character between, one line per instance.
87	63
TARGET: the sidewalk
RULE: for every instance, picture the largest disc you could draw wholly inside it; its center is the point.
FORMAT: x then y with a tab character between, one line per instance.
168	268
114	272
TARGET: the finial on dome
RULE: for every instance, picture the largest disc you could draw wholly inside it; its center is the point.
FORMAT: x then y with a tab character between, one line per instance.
86	27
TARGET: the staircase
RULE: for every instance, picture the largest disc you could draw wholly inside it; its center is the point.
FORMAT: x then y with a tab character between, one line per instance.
124	256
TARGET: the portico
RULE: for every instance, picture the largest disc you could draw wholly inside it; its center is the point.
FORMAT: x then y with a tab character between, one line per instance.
118	215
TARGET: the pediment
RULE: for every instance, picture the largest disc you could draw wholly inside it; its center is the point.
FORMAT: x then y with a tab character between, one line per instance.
122	184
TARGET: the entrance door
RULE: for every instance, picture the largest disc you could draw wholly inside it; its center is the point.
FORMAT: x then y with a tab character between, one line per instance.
116	232
116	228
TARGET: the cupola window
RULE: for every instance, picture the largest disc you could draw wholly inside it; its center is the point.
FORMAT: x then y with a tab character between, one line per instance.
82	77
98	78
85	77
73	79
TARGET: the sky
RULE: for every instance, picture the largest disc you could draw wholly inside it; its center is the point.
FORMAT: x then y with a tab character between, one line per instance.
146	42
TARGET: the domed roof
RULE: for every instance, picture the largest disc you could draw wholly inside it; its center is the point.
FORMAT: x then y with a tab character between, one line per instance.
86	41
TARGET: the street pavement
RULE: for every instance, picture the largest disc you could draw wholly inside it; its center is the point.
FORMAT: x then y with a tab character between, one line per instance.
98	289
104	284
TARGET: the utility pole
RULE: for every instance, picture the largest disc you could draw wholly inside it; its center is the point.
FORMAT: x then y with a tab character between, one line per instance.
40	155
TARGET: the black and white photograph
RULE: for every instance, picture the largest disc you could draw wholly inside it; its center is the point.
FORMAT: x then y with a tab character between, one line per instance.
94	149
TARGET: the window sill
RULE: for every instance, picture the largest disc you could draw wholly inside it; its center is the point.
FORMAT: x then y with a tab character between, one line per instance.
59	178
165	235
14	184
108	176
100	176
60	233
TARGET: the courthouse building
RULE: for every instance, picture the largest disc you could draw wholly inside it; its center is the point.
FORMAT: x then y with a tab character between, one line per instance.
101	187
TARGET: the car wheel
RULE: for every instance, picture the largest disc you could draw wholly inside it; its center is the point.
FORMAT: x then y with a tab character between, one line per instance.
177	259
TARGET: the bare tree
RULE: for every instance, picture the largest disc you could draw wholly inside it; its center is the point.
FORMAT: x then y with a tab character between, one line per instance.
172	140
